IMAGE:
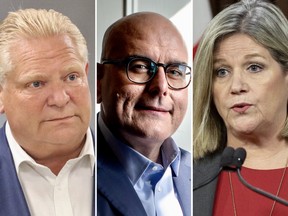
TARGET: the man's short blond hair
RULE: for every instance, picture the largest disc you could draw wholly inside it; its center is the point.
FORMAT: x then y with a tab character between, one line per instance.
36	23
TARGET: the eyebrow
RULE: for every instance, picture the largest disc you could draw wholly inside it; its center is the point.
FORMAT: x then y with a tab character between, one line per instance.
254	55
73	67
32	76
170	62
248	56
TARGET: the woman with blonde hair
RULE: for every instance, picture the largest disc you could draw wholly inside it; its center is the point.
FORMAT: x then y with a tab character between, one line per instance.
240	100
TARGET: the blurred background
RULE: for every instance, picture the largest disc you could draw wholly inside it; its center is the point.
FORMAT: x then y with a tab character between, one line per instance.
205	10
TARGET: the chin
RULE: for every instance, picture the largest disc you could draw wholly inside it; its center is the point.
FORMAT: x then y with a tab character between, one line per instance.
67	136
248	130
150	134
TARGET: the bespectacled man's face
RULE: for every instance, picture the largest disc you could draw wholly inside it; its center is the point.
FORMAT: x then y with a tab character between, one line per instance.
152	111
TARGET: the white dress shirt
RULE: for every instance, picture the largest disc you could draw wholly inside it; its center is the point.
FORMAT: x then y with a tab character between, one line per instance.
70	193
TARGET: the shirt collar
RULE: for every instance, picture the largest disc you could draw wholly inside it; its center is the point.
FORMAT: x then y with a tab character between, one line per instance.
20	156
88	149
135	163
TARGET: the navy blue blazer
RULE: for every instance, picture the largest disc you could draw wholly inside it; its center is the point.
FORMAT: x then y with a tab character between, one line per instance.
12	200
115	193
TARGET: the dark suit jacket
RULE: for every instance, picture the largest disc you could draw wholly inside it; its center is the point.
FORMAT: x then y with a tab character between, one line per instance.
115	193
203	194
12	200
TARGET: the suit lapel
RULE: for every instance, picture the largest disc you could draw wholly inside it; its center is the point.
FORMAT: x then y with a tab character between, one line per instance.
113	183
12	200
116	187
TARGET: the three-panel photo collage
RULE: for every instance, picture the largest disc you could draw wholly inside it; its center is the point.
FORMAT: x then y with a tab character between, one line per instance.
143	108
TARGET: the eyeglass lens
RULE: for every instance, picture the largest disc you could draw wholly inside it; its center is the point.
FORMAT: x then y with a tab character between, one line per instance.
143	70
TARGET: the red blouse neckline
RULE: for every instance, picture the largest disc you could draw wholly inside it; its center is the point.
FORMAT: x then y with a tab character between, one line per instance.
248	202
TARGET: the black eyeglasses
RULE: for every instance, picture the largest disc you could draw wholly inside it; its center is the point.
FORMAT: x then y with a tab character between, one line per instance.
141	70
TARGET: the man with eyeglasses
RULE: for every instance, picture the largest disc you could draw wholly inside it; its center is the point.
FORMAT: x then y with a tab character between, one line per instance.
142	82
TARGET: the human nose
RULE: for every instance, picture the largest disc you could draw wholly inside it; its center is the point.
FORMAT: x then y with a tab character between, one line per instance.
159	84
239	83
58	95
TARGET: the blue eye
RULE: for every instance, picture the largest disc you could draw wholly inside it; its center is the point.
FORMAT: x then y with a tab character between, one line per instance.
221	72
36	84
254	68
72	77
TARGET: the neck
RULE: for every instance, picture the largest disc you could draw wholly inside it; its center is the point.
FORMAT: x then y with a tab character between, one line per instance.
56	163
55	159
262	153
154	154
150	148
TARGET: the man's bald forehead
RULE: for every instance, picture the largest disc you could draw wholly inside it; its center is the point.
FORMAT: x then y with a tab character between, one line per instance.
136	24
140	18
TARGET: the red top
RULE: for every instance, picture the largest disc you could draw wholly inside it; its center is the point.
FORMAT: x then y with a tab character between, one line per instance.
248	202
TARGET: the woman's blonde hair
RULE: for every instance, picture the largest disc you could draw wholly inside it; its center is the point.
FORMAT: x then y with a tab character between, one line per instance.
260	20
34	23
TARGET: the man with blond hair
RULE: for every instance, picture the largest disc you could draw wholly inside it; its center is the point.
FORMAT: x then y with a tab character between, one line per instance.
46	145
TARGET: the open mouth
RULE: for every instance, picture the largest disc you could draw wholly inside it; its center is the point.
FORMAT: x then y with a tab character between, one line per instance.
241	108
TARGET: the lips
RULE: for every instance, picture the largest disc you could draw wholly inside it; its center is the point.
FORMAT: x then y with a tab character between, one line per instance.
241	107
152	108
60	118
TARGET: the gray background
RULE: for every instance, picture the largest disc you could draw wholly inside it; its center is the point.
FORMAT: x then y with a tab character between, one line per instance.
81	12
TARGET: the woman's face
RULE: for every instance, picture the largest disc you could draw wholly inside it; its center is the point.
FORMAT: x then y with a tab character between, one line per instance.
250	89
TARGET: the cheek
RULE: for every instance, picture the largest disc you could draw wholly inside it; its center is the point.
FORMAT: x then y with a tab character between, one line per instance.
218	99
180	104
127	97
82	95
216	102
119	102
23	110
84	106
215	96
17	100
219	91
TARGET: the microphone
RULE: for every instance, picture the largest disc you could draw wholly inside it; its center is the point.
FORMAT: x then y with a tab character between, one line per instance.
227	157
238	159
225	161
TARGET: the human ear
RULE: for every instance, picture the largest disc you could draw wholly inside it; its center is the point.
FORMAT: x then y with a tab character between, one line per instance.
99	82
86	69
286	78
2	110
